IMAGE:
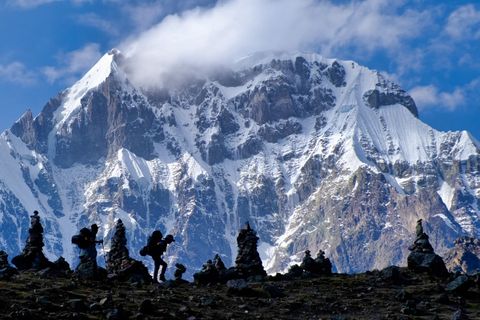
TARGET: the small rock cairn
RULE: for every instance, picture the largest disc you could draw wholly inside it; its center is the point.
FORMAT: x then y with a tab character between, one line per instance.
32	256
422	257
120	265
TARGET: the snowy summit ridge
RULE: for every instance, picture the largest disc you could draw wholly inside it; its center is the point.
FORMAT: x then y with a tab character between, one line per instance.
316	153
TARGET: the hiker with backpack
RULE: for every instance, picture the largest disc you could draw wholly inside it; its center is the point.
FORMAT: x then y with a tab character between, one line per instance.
156	247
87	242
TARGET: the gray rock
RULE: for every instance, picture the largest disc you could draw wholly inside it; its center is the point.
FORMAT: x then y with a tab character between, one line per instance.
427	262
459	285
464	256
237	285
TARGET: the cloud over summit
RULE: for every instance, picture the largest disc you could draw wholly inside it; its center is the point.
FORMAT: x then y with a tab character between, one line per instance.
198	39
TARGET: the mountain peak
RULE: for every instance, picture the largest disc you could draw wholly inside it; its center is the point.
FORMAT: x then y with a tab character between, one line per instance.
98	74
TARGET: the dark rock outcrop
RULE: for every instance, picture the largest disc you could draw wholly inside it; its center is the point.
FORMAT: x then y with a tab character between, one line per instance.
179	271
423	258
459	285
32	256
6	271
87	269
248	263
120	265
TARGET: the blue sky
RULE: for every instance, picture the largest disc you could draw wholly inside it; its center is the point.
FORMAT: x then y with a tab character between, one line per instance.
429	47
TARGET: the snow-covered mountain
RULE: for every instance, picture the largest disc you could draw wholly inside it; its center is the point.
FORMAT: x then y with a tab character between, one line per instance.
315	153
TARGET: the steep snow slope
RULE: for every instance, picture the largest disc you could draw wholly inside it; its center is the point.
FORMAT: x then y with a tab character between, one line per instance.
316	153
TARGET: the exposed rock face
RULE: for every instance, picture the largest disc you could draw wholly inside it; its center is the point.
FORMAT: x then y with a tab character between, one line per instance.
119	263
464	256
423	258
316	153
248	262
32	256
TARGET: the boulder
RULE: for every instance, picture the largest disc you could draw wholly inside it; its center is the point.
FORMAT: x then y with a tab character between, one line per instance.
6	271
87	269
427	262
459	285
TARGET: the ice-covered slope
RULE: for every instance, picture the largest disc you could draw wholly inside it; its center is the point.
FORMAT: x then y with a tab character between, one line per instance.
316	153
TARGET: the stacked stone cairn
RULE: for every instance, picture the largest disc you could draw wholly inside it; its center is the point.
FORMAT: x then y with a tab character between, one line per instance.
120	265
6	271
422	257
214	272
248	263
318	266
179	271
32	256
310	267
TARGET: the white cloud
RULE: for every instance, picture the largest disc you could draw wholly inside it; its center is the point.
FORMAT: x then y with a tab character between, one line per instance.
431	97
464	23
16	72
73	63
200	38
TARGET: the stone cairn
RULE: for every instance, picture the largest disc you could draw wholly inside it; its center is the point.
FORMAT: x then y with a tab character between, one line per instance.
318	266
6	271
422	257
179	271
310	267
248	263
32	256
120	265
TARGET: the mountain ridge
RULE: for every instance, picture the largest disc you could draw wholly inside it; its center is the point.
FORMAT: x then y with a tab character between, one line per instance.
316	153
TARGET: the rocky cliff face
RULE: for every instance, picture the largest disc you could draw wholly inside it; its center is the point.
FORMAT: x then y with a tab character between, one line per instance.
314	153
464	256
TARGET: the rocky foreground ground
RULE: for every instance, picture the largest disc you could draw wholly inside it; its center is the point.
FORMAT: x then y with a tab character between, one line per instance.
389	294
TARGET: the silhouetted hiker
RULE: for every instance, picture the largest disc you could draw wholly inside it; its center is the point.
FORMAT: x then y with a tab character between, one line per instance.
156	247
87	242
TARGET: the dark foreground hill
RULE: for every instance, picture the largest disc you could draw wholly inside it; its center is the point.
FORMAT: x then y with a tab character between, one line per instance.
389	294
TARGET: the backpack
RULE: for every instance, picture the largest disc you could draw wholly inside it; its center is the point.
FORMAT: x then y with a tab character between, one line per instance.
152	248
81	240
145	251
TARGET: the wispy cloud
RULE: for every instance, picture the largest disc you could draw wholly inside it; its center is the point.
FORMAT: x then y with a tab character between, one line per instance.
464	23
143	15
430	97
93	20
200	38
74	63
17	72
